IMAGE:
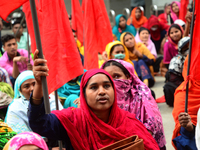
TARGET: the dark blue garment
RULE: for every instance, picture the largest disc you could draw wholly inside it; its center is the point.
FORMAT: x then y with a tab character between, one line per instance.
186	141
47	125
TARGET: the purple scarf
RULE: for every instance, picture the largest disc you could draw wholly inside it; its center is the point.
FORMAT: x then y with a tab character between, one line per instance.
134	96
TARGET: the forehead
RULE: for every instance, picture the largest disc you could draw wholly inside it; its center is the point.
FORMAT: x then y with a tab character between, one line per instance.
29	81
98	78
122	18
174	4
11	41
173	29
128	36
144	31
119	47
113	69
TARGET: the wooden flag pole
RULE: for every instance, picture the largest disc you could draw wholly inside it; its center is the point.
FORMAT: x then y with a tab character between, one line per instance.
57	108
189	58
39	47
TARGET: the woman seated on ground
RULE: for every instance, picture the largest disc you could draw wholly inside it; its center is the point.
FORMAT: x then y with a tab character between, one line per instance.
137	18
70	92
184	133
173	77
175	9
134	96
165	17
16	116
97	123
175	33
26	141
122	27
143	36
157	30
141	57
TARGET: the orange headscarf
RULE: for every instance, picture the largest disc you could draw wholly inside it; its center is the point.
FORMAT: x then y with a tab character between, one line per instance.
179	101
137	23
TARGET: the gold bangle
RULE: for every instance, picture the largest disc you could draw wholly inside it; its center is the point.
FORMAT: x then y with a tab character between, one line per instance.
36	99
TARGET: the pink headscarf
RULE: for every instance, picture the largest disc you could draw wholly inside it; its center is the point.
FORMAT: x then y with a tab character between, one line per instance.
150	45
26	138
134	96
173	15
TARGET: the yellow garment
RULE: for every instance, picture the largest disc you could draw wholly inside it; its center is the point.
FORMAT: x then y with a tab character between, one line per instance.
142	49
80	47
108	49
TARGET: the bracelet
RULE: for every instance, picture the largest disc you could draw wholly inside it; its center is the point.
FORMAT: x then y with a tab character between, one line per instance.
35	99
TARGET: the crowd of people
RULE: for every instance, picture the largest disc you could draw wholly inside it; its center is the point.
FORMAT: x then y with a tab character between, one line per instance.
107	104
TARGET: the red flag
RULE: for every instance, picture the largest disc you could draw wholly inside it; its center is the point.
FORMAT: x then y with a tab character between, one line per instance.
77	19
195	53
59	47
7	6
183	9
97	31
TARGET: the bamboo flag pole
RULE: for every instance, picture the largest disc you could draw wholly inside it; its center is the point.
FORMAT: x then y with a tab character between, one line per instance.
189	58
39	47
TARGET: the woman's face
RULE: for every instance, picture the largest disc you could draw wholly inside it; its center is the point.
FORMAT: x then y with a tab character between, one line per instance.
175	8
175	34
99	93
144	35
138	14
27	88
30	147
129	41
168	9
115	72
122	22
117	50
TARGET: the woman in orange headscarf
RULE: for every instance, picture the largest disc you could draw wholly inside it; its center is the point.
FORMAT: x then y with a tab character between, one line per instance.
182	136
137	18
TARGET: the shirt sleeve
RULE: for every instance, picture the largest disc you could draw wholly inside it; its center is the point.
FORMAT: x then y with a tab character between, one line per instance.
46	125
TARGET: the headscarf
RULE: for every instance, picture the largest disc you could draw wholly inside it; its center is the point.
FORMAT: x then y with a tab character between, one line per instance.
87	131
134	96
6	133
152	21
137	23
173	15
117	31
170	47
140	47
179	101
6	88
150	45
26	138
25	75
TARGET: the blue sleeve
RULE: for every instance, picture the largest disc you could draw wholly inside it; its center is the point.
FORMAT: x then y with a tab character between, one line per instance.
46	125
148	61
186	141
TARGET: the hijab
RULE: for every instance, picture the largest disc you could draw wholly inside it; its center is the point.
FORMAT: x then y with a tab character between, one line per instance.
117	31
137	23
173	15
26	138
135	97
150	45
87	131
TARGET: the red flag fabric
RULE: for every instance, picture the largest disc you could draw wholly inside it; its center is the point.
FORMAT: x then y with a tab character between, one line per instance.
183	9
59	47
195	53
7	6
97	31
77	19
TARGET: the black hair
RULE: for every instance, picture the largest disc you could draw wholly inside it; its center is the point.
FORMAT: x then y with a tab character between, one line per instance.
114	47
174	26
142	29
138	8
117	64
70	17
73	30
7	38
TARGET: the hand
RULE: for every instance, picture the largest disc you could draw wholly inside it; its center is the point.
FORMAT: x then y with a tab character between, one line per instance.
29	66
105	56
20	59
77	101
188	17
138	54
38	69
185	121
